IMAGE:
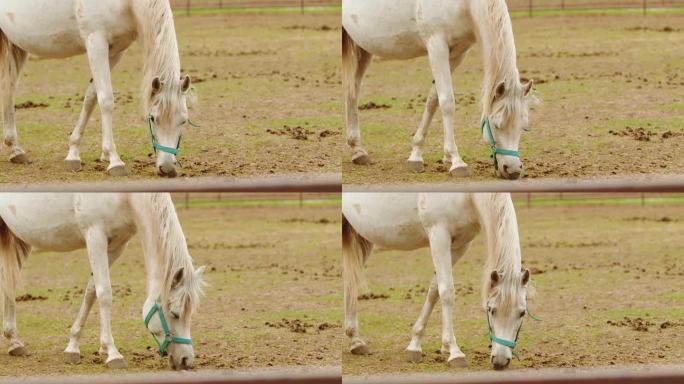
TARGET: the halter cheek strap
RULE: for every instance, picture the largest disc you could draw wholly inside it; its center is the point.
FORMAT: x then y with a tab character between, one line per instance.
168	337
158	147
507	343
484	124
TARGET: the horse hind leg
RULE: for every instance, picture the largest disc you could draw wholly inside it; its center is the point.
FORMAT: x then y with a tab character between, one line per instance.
13	252
355	61
12	60
355	252
73	160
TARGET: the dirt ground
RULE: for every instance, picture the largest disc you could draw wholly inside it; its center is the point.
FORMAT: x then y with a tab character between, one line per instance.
611	103
268	103
273	299
609	293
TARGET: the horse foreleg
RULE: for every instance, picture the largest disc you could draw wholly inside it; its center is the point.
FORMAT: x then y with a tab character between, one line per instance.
414	351
440	248
11	68
96	242
72	353
73	159
98	57
415	160
353	77
438	53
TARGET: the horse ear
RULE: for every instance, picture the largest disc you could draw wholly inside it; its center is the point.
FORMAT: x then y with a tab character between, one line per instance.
495	278
177	277
500	90
185	86
525	277
527	85
156	86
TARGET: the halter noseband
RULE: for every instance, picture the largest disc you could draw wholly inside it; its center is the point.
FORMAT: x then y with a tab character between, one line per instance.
168	337
507	343
158	147
495	150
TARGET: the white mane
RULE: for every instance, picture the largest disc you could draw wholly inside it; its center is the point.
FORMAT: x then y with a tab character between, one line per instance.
495	33
173	251
157	34
503	247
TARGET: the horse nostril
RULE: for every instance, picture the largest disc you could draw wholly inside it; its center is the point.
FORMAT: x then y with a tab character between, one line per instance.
185	363
166	171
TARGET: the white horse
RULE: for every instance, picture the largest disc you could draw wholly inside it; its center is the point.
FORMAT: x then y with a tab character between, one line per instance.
103	30
444	30
447	223
104	224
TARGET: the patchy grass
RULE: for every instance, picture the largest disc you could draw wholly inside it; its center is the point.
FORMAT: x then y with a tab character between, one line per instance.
264	264
591	265
630	78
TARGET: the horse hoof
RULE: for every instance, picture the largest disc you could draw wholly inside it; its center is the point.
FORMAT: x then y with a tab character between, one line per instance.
362	159
360	350
414	356
118	171
73	165
72	357
116	364
19	351
21	158
460	171
458	362
417	166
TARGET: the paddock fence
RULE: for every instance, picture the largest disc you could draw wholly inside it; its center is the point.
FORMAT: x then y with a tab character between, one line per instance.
528	6
192	6
219	199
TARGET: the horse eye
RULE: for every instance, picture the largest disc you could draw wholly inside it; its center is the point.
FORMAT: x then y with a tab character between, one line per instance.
522	314
492	311
152	118
175	315
526	129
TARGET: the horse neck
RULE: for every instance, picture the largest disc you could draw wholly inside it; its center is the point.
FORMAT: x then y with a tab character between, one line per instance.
164	243
495	32
500	225
157	35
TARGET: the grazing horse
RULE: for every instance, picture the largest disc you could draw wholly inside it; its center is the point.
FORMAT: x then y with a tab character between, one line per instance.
447	223
104	224
444	31
103	30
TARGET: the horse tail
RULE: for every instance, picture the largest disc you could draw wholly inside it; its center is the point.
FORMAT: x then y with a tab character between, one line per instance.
355	252
13	252
349	62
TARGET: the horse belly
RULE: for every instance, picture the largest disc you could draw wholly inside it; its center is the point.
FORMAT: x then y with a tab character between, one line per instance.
44	221
385	28
387	220
42	27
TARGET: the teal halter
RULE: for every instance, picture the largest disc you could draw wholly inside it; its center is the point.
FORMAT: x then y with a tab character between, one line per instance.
495	150
168	337
507	343
158	147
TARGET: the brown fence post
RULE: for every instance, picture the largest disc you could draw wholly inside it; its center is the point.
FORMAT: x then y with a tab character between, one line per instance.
187	200
530	8
301	6
529	200
563	5
187	7
644	4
